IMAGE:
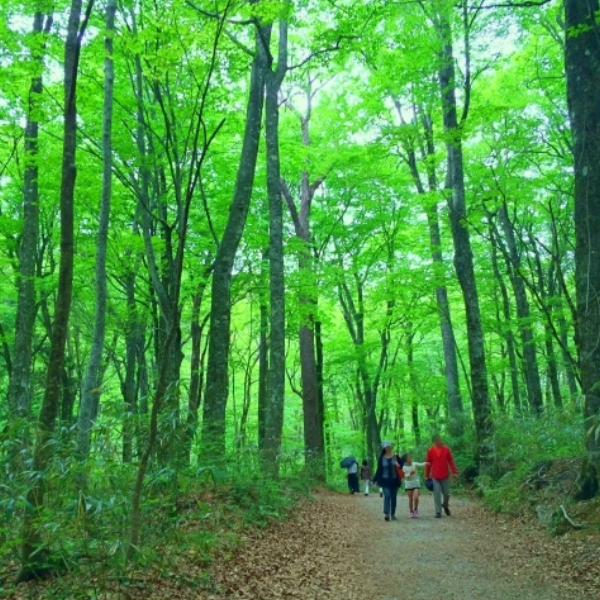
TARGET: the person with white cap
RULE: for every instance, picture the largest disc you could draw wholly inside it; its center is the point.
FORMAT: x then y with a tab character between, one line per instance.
388	477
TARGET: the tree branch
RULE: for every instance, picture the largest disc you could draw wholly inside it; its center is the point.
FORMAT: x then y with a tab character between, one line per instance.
569	520
324	50
239	44
524	4
207	13
289	200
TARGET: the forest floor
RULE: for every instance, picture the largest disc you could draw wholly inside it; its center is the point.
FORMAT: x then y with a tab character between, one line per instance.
338	547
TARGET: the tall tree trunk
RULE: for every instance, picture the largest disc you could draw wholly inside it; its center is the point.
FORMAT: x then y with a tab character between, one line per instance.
196	370
263	361
130	386
530	365
582	58
414	392
314	442
354	318
159	394
463	255
69	388
34	555
19	394
455	402
251	361
567	359
171	352
217	386
92	384
546	292
274	416
507	332
320	382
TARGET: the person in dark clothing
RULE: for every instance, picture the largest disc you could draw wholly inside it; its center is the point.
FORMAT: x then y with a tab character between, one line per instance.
388	477
352	472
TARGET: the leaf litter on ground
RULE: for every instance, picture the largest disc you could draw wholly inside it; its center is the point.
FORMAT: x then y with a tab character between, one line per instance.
336	547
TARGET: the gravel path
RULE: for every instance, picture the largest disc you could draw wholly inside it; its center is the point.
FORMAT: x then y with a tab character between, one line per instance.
463	557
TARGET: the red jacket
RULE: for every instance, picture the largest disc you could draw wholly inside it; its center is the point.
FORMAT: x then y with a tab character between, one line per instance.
439	460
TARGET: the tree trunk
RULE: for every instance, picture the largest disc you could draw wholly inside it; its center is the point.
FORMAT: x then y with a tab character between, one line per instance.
567	359
463	255
530	365
196	370
263	363
455	402
34	556
159	395
546	293
130	386
276	396
354	318
217	387
19	394
195	361
582	59
507	332
251	361
320	382
314	442
92	384
69	387
410	354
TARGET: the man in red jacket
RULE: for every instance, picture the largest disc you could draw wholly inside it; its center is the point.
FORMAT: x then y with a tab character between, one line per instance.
439	463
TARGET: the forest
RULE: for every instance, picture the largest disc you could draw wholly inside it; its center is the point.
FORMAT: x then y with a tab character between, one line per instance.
245	238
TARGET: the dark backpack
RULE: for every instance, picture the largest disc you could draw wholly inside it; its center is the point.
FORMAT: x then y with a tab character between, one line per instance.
347	462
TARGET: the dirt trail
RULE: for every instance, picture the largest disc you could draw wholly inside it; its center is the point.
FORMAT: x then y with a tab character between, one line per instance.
468	556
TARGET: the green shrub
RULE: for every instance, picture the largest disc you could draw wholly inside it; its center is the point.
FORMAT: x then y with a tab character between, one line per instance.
520	445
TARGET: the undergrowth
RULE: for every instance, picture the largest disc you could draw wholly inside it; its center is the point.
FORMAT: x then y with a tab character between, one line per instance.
524	446
189	517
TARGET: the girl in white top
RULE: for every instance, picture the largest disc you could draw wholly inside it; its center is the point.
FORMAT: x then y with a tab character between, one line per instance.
412	483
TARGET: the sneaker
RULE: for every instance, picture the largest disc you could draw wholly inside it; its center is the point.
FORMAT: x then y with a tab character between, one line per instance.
438	515
412	514
416	513
394	518
387	517
446	509
366	494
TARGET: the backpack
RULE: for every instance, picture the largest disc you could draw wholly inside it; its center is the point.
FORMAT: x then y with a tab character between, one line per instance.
347	462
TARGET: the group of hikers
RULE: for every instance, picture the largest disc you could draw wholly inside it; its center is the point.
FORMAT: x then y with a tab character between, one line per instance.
392	470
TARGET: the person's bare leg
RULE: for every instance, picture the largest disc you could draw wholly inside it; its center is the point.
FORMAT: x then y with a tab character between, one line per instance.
416	500
410	493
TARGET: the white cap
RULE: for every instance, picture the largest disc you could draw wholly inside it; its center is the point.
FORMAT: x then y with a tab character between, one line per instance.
386	444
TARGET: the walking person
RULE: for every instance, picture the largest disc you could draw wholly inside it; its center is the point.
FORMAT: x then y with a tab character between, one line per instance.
412	484
352	472
441	462
388	476
365	475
